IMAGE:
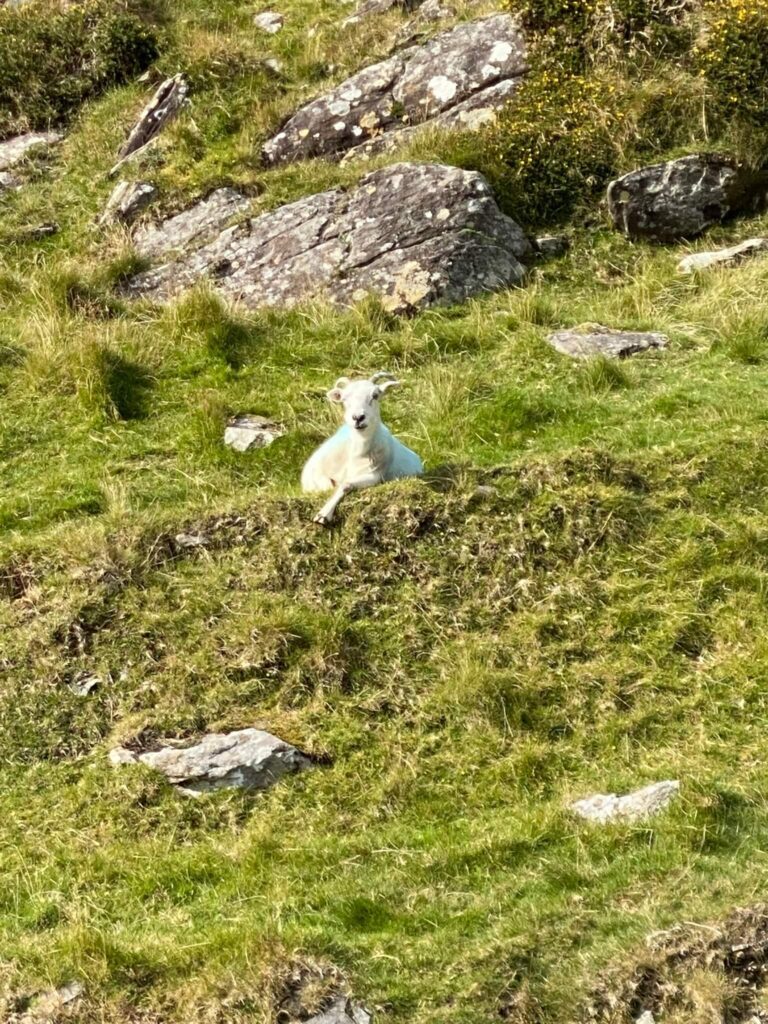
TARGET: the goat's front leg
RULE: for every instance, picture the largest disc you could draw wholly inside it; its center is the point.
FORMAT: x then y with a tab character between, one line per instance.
325	516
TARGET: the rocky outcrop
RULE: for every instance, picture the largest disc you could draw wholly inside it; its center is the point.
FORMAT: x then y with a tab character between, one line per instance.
128	200
368	8
723	257
246	431
602	341
196	225
682	198
475	66
245	759
14	151
412	234
643	803
164	106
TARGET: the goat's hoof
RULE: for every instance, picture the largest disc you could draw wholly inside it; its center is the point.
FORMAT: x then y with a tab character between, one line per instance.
321	520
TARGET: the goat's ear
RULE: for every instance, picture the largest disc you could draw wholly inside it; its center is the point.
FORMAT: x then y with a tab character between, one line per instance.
334	395
386	385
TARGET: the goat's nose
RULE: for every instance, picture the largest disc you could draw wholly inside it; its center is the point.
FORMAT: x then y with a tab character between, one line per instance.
359	419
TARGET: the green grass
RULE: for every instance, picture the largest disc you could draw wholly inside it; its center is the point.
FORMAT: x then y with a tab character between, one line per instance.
574	599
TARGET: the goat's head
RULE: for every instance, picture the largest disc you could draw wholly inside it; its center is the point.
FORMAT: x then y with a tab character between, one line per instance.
360	398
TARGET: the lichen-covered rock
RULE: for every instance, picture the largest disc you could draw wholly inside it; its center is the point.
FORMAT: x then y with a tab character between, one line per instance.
643	803
551	245
245	759
13	151
193	226
417	85
8	181
343	1011
413	234
602	341
723	257
369	8
128	200
684	197
164	106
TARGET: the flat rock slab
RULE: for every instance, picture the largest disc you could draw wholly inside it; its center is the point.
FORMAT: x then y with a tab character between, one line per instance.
245	432
723	257
605	342
416	85
245	759
343	1011
13	151
682	198
269	21
412	234
196	225
127	201
604	808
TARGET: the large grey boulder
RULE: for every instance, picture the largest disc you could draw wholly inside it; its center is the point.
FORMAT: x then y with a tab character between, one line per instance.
465	63
245	759
412	234
198	224
602	341
643	803
731	256
684	197
14	150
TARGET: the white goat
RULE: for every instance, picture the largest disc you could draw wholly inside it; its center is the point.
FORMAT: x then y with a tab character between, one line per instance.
363	452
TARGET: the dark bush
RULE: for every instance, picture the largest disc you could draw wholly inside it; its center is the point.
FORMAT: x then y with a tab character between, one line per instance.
51	62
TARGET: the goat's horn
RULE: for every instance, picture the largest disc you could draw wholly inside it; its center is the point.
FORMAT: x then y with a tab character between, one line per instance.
382	375
341	382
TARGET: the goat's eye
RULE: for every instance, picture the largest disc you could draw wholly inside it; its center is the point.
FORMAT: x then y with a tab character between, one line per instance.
375	395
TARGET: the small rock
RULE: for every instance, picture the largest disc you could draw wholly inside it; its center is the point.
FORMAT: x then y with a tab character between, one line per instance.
36	232
343	1011
47	1003
605	808
369	8
8	181
127	201
13	151
84	682
160	111
646	1018
191	540
245	759
269	21
602	341
551	245
122	755
723	257
245	431
274	65
681	198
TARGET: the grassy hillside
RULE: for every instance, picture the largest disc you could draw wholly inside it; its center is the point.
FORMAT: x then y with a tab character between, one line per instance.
574	599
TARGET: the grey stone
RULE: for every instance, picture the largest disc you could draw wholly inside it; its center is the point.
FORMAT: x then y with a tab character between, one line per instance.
164	106
551	245
643	803
368	8
36	232
246	431
245	759
602	341
13	151
413	234
189	541
46	1004
723	257
8	181
417	85
128	200
646	1018
195	225
684	197
85	682
269	21
343	1011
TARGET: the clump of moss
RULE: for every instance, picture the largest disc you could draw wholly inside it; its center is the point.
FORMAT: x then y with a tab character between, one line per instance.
52	62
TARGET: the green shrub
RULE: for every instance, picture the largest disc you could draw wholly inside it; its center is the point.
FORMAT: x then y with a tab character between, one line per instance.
554	147
733	59
52	62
